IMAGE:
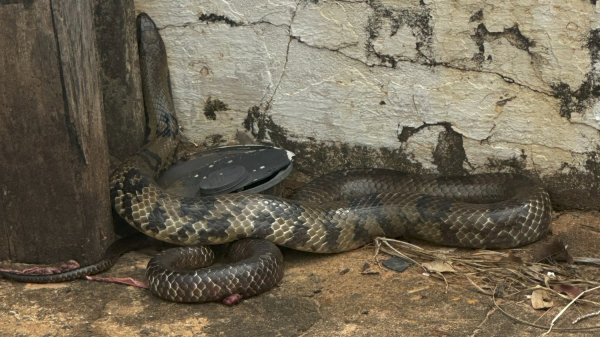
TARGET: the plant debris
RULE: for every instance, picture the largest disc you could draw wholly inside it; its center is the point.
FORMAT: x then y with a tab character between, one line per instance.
555	250
510	276
439	266
567	289
540	299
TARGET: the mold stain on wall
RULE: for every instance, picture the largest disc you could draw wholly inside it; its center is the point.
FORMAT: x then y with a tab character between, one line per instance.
212	106
314	158
417	19
588	93
448	155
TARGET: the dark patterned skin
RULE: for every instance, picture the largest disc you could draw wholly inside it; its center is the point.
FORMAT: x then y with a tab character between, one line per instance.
257	265
338	212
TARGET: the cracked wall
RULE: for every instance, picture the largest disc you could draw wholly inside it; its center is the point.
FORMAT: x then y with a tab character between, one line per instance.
423	86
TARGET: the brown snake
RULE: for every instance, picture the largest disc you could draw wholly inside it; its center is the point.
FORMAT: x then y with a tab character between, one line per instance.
338	212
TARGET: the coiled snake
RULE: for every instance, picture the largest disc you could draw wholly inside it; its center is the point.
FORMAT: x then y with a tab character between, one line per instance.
338	212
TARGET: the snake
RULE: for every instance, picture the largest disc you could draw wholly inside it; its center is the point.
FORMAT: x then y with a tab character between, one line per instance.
337	212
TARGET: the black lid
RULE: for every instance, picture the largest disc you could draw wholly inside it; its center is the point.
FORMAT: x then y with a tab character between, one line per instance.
225	179
250	168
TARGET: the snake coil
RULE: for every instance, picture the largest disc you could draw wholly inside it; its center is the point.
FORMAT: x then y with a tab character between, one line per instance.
338	212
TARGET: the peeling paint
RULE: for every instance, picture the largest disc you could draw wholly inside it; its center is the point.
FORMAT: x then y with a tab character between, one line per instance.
447	88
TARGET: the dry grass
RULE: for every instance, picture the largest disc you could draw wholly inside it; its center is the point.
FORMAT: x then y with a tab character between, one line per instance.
503	276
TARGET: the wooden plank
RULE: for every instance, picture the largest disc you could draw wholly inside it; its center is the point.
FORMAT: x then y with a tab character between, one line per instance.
53	162
116	42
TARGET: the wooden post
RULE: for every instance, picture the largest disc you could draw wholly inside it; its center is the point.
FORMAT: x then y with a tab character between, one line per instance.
116	42
54	201
120	82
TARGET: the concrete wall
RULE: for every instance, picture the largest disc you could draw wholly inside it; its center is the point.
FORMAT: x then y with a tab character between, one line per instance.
450	87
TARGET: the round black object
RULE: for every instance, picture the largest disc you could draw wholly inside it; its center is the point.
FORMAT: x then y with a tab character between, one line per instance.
249	168
225	179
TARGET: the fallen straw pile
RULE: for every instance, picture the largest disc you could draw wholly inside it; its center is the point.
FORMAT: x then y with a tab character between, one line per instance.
512	277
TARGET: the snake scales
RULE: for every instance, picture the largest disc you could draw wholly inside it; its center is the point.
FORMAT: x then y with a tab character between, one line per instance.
338	212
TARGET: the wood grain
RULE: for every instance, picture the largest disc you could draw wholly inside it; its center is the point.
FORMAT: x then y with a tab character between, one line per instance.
53	159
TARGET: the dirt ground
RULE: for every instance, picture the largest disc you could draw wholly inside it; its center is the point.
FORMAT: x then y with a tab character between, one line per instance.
320	295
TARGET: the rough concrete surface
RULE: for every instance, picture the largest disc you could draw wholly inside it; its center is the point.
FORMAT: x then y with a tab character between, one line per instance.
449	87
320	295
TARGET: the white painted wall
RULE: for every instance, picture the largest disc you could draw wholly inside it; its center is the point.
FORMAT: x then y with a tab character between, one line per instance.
314	69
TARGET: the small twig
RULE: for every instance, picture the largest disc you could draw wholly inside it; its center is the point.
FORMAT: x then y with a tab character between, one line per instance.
540	326
566	307
487	316
402	243
591	314
377	247
567	297
479	288
524	290
587	260
446	281
484	269
594	228
552	291
542	315
403	255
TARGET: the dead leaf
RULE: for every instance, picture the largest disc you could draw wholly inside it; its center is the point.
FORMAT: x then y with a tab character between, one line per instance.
536	268
540	299
439	266
512	258
556	249
567	289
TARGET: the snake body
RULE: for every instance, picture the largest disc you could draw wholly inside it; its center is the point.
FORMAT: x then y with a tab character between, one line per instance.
338	212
